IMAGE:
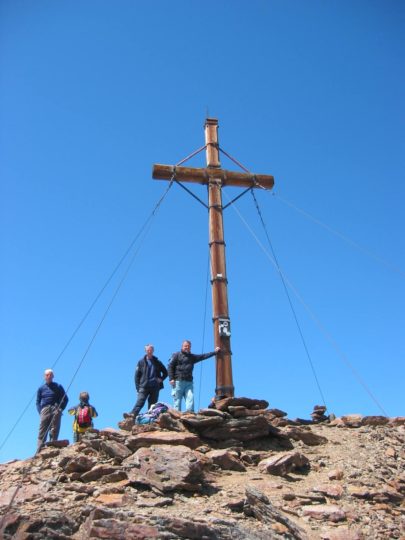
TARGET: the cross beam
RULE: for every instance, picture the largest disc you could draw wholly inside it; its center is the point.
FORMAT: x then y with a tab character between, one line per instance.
216	178
202	176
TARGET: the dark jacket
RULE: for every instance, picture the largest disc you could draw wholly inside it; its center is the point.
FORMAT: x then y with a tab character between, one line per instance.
51	394
141	372
181	365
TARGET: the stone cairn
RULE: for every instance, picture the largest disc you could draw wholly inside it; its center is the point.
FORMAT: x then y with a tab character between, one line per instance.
318	414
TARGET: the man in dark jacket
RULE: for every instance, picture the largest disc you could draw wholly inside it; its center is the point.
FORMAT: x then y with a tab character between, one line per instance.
149	376
51	401
180	368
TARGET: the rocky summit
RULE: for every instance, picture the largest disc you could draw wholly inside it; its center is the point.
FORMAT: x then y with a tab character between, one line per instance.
239	471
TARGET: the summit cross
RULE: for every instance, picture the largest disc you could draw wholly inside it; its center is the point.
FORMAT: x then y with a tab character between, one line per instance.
216	178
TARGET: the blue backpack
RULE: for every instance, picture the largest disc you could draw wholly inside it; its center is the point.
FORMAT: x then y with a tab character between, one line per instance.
152	415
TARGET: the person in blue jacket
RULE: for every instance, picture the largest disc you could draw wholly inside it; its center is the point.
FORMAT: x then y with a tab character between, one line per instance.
51	401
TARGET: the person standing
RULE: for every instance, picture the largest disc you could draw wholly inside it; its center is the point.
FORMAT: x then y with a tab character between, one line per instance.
180	369
149	376
84	414
51	401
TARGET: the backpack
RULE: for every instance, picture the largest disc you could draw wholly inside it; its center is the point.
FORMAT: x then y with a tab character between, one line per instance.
144	418
152	415
157	409
83	416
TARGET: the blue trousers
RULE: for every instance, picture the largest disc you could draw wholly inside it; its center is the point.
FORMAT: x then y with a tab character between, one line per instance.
183	389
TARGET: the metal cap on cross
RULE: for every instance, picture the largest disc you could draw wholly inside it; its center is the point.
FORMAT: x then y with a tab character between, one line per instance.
216	178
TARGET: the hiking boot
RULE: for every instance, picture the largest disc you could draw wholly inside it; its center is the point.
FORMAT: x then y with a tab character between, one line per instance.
128	415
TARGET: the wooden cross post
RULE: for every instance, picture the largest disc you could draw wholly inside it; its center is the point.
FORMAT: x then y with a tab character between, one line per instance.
216	178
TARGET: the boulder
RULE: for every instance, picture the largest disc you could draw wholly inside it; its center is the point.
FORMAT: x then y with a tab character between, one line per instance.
163	437
114	477
213	412
215	529
167	421
374	420
352	420
112	500
116	529
281	465
97	472
325	512
168	468
335	474
56	525
112	434
259	506
223	404
241	429
115	449
281	422
226	460
241	412
360	492
277	413
199	422
343	533
77	463
384	495
334	491
397	421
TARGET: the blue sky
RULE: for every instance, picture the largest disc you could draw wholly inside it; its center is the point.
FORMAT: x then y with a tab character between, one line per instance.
92	95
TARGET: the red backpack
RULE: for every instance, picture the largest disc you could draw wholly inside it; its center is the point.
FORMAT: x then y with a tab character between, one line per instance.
83	415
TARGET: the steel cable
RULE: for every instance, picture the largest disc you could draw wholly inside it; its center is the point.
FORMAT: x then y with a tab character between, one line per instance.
120	262
328	336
